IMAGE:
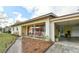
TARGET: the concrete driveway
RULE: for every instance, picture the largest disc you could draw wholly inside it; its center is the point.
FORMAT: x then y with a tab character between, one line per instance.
16	47
64	47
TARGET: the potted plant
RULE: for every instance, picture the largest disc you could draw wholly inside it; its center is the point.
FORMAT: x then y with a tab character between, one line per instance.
46	38
57	38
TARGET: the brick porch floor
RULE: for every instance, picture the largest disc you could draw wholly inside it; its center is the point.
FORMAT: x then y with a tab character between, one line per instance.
30	45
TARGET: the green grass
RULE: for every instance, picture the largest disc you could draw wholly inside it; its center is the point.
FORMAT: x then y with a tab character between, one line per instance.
6	40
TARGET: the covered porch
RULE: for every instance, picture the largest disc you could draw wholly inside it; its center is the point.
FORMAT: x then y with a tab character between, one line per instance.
36	30
65	30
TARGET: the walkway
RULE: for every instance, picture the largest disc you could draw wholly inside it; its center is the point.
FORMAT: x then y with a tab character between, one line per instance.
16	47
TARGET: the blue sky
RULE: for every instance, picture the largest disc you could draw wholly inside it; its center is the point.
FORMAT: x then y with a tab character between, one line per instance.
24	12
15	13
10	10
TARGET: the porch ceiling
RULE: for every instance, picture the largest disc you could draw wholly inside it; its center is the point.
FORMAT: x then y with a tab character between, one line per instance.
71	22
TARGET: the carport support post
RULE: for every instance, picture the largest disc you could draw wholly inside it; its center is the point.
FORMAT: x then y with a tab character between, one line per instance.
53	31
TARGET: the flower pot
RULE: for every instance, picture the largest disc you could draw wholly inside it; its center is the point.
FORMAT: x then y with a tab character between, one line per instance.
57	39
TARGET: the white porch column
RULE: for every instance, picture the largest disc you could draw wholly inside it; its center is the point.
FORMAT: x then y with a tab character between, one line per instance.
47	28
53	31
20	30
34	30
26	30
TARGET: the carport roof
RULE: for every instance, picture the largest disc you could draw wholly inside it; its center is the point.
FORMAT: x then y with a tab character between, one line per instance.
70	19
66	16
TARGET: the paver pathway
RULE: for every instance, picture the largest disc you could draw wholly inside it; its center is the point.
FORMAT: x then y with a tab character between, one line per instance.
16	47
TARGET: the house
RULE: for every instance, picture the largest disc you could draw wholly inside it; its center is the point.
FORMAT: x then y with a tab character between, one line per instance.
49	26
7	29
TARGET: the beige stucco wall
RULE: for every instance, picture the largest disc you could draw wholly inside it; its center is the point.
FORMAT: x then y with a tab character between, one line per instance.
24	30
15	30
75	31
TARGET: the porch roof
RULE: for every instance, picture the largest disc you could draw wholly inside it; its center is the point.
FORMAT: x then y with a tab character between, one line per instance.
36	18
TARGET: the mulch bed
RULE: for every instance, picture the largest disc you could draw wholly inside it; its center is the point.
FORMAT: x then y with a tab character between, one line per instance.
30	45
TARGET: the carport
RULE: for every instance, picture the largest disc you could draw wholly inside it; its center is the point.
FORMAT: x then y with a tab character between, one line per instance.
66	28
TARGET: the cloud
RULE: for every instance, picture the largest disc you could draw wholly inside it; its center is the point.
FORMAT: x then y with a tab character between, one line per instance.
39	2
38	10
58	10
10	21
41	10
3	19
6	22
19	17
29	7
26	2
62	10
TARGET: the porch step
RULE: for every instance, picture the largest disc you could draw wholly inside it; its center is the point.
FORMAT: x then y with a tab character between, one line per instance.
61	47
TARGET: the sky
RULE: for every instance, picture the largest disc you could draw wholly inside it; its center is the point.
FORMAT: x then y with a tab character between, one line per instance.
22	13
26	9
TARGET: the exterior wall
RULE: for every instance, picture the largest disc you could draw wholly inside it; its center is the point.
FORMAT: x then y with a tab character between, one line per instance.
24	30
15	31
75	31
11	30
6	29
67	28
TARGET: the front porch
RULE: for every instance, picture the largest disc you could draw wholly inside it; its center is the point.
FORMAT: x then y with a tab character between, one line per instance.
36	31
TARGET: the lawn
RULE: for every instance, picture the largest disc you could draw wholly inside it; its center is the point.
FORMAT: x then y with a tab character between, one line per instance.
5	41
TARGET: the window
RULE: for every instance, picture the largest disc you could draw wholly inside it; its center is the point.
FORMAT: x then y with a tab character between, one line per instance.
13	28
17	28
37	31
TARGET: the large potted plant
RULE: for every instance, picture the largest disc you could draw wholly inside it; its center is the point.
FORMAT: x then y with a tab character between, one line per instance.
46	38
57	38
